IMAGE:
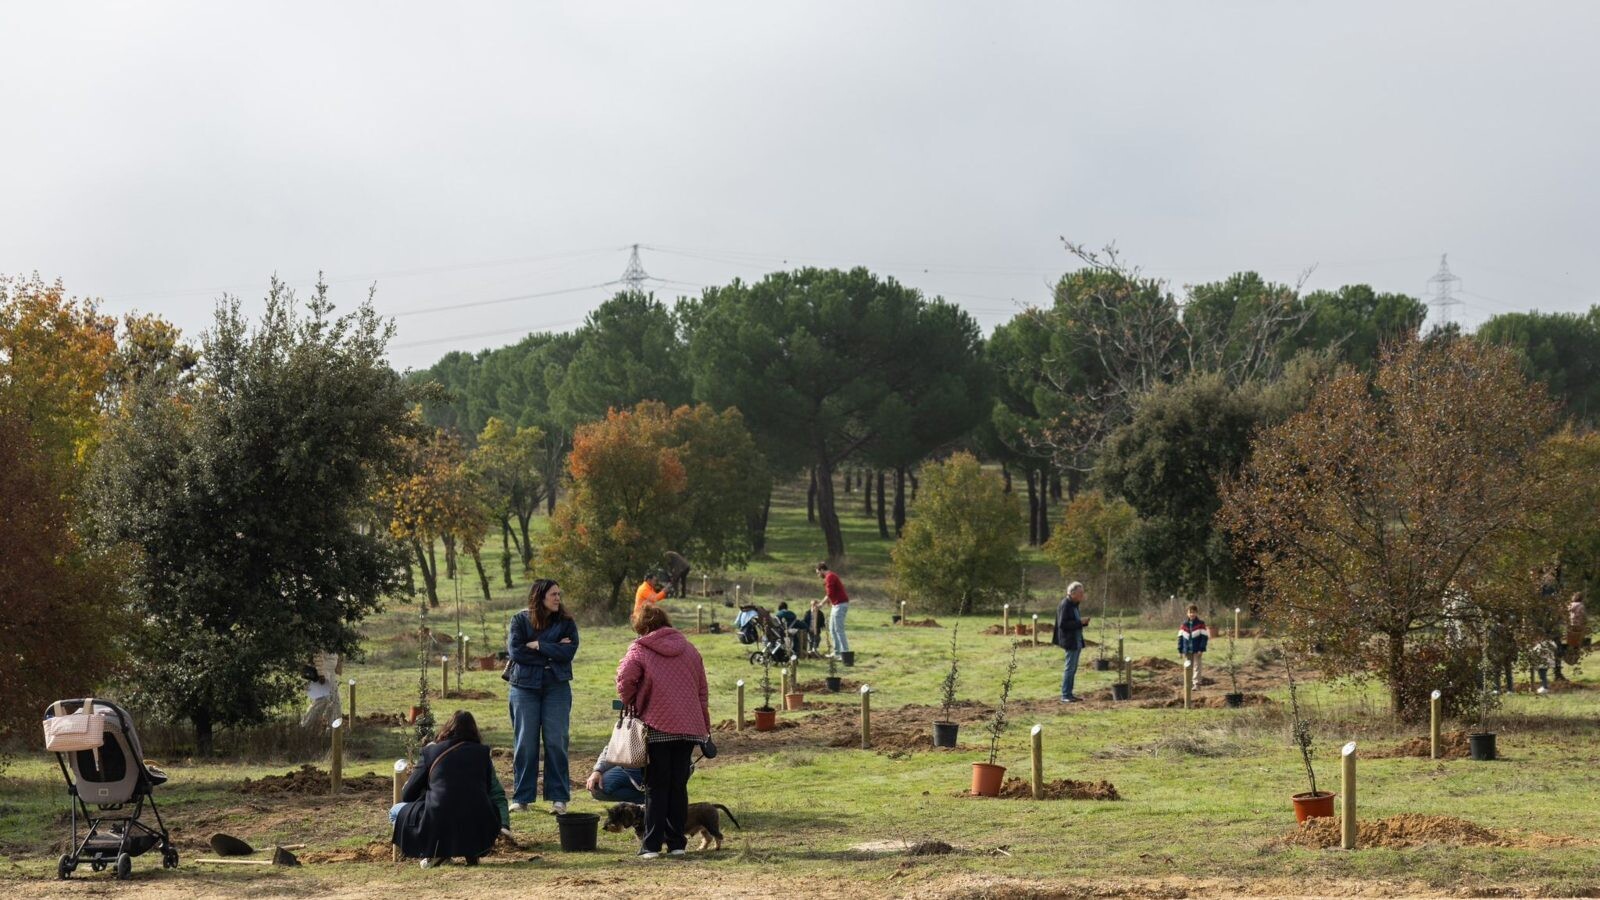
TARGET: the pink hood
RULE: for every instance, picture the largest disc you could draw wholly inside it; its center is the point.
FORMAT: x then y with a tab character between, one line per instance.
663	678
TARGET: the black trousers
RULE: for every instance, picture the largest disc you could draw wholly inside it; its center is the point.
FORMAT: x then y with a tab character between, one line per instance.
666	805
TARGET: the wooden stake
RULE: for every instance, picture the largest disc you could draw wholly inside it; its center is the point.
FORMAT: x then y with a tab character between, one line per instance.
1236	623
336	759
1119	648
399	769
1188	687
902	614
1038	762
1036	629
1347	786
699	618
866	717
352	702
738	722
705	585
1435	713
1127	674
444	673
1005	619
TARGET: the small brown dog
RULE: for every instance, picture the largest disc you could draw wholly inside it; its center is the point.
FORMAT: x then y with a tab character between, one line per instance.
702	820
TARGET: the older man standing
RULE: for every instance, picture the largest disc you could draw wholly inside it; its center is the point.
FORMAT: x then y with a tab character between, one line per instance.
1069	637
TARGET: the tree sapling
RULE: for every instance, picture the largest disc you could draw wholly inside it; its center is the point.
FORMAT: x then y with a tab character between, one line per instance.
947	689
998	722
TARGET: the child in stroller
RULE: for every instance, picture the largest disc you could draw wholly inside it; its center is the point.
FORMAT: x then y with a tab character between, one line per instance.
103	763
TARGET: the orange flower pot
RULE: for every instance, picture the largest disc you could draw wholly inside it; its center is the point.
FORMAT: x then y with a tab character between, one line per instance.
794	701
986	779
766	719
1313	806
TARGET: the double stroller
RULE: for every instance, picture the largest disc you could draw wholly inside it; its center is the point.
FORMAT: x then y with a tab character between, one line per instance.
103	763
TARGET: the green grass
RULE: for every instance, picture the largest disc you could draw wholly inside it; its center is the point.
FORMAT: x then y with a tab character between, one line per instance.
1205	791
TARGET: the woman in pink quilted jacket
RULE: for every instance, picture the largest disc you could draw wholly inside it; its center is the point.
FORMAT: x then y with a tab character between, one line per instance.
663	678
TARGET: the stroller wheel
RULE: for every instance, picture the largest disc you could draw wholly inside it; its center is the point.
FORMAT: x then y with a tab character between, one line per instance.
64	867
755	659
169	858
124	867
96	864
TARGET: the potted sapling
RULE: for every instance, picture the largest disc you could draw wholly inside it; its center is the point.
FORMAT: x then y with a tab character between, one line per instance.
795	698
1235	697
986	777
1313	803
835	683
944	729
766	715
1481	740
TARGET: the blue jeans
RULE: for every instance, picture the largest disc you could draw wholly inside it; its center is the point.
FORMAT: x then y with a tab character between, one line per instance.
394	811
836	628
619	785
536	714
1069	672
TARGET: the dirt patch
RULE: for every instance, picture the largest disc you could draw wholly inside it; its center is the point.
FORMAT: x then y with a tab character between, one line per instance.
310	780
468	694
929	848
781	724
923	623
375	852
1409	830
1141	691
384	720
1156	664
1454	745
1060	789
1208	701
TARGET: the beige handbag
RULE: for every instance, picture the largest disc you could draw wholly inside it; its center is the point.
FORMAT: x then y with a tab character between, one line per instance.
628	746
82	730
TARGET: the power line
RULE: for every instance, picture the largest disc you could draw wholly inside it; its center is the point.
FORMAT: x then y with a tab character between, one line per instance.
423	310
1442	287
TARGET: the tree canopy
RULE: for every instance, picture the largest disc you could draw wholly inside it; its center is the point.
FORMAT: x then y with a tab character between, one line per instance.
961	549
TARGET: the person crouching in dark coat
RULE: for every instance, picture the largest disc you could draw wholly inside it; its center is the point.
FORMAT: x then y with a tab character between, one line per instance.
447	807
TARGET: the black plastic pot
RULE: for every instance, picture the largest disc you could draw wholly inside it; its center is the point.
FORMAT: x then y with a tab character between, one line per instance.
1102	665
1482	746
1234	700
944	733
848	657
1120	691
579	831
835	684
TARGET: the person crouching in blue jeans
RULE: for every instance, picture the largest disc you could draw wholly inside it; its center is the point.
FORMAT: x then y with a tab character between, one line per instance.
1069	637
611	783
543	641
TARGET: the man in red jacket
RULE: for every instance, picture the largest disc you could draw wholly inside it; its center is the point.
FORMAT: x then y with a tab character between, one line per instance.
840	601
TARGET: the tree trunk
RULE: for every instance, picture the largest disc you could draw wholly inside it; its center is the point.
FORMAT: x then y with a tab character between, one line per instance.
483	577
430	570
883	509
202	731
1005	474
848	477
1044	508
1055	486
411	580
1396	677
526	547
450	556
505	553
756	521
811	499
866	494
1074	484
1033	508
826	511
914	485
900	500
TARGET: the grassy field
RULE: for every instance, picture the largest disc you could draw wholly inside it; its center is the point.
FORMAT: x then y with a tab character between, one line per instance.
1204	805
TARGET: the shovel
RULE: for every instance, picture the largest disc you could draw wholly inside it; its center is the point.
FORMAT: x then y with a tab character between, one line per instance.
280	857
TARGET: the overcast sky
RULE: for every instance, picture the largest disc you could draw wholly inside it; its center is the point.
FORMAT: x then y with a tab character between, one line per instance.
159	154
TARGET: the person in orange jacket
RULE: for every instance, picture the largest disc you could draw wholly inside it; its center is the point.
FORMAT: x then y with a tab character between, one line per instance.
650	591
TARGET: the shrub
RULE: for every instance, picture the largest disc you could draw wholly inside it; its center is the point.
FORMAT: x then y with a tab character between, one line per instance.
961	549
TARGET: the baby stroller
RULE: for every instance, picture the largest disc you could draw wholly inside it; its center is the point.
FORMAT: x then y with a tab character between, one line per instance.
103	763
757	626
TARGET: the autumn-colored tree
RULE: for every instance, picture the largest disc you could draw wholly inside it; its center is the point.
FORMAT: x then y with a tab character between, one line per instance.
1366	520
506	464
433	498
728	481
627	485
1090	537
961	549
57	355
60	624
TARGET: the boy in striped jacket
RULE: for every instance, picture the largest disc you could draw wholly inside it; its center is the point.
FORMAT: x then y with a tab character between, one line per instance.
1192	639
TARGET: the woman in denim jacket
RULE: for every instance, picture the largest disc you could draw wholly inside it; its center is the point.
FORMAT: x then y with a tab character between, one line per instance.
543	641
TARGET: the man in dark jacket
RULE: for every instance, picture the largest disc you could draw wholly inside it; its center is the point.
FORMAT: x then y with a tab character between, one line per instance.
446	807
1069	637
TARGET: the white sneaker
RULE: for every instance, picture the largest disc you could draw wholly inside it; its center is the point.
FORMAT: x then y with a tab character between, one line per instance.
648	854
558	808
677	853
519	807
434	863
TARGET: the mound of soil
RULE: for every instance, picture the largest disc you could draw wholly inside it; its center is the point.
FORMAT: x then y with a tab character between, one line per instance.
929	848
750	725
1210	701
385	720
375	852
1141	691
1454	746
1156	664
1562	687
308	780
1408	830
892	743
468	694
1061	789
921	623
